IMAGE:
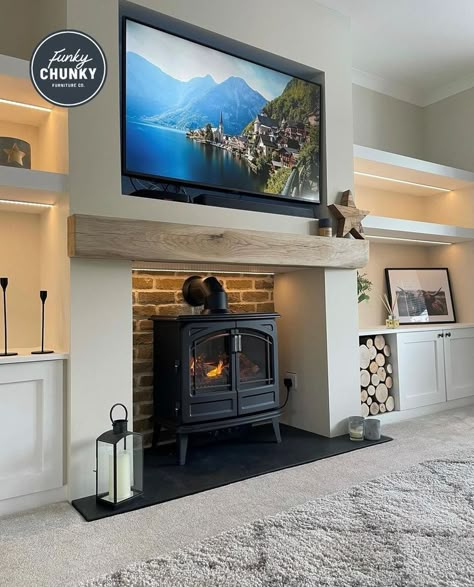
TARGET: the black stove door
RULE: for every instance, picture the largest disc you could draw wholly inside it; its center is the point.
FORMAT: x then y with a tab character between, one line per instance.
257	366
208	371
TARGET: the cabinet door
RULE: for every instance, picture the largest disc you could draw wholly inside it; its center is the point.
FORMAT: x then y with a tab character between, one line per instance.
31	431
459	360
421	372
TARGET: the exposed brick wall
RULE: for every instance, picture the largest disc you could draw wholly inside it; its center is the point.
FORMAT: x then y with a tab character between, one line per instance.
160	294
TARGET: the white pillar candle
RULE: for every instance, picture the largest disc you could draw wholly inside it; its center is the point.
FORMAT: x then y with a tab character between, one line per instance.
123	476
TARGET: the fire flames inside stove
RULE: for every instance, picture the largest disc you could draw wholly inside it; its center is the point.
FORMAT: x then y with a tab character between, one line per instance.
206	372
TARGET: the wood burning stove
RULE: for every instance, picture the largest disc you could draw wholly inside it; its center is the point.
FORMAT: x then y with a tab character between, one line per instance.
214	370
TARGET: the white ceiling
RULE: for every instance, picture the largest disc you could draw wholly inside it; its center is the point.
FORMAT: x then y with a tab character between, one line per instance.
418	50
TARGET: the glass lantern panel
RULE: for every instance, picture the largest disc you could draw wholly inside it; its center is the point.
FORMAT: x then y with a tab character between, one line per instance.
124	479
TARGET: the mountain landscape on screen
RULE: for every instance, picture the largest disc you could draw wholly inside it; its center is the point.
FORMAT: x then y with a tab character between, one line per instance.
207	118
188	105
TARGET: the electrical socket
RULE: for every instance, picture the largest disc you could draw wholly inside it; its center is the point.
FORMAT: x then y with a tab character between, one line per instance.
292	376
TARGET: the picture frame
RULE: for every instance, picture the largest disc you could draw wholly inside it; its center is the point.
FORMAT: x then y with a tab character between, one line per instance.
423	295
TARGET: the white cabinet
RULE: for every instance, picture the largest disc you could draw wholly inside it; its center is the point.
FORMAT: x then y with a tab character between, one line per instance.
459	361
31	429
421	370
435	366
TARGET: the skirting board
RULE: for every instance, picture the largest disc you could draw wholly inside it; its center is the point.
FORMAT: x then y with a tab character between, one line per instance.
22	503
401	415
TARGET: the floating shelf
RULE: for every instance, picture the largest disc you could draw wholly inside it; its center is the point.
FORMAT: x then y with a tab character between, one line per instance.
28	185
379	169
426	233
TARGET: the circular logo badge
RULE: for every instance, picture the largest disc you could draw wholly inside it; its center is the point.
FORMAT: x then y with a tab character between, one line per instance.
68	68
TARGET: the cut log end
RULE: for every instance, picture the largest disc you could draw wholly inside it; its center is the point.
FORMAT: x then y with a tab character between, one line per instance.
374	408
375	379
364	378
364	358
381	393
379	342
390	404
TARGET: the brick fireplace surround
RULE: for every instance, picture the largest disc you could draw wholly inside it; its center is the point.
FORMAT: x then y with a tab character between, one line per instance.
157	293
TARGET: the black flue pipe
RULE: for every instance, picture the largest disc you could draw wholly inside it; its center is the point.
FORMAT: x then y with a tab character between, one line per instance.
206	292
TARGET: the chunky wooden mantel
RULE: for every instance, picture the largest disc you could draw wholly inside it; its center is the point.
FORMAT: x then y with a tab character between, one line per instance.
95	237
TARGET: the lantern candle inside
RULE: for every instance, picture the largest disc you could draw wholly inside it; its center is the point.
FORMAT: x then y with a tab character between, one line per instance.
123	476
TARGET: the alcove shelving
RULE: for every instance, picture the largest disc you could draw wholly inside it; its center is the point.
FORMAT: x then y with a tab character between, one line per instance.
26	116
429	209
34	206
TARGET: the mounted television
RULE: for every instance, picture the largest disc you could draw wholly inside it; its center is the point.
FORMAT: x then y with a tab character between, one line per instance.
195	116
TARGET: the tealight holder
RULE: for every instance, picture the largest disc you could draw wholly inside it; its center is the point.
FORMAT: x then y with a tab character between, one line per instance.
356	428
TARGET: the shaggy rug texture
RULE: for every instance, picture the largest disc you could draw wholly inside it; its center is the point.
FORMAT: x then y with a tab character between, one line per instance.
410	529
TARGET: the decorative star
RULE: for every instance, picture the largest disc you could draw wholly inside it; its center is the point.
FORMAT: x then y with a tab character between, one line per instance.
15	155
349	218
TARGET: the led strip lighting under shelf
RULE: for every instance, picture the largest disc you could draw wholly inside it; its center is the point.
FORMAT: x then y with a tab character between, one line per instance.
217	271
20	203
420	185
408	240
23	105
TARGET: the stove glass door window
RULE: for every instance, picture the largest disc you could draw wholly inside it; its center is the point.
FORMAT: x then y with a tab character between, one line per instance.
255	358
210	363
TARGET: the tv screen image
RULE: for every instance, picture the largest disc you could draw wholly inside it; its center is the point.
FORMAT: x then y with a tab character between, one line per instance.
201	117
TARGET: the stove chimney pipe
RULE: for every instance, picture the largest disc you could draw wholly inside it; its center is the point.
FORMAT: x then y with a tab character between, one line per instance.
208	292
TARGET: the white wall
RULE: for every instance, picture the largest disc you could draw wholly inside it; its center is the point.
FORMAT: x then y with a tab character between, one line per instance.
100	367
459	259
372	312
448	131
383	203
385	123
318	334
20	262
25	22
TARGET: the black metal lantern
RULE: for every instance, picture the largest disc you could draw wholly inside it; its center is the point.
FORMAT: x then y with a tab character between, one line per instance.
119	463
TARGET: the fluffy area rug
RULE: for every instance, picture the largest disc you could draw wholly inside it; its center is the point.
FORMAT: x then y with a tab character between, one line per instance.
410	529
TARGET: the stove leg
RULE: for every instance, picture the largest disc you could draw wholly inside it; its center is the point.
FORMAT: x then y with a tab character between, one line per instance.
276	429
182	440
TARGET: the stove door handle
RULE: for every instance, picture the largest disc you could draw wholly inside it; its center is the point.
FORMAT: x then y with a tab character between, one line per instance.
237	343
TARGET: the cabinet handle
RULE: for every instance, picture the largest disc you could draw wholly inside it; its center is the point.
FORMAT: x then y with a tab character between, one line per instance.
440	335
448	334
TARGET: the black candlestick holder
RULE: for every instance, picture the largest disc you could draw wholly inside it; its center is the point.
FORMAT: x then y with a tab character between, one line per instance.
4	285
43	296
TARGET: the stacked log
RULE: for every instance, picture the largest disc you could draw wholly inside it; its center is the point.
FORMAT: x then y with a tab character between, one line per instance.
376	376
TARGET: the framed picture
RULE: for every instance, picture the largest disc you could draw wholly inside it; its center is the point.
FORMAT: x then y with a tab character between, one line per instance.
422	295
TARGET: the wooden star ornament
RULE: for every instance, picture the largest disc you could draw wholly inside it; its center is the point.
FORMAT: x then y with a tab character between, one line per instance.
15	155
349	218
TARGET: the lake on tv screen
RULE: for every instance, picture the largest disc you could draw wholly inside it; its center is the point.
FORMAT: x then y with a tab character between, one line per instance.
205	117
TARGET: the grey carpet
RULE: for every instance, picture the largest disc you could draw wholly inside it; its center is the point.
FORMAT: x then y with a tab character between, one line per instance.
414	528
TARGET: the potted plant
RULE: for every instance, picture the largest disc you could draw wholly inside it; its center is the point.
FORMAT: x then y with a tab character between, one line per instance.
364	285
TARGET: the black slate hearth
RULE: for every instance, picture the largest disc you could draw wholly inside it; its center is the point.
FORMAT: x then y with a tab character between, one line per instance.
216	462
